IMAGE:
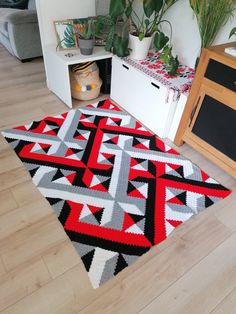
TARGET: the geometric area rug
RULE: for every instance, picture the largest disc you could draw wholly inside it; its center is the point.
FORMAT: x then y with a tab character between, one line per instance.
116	188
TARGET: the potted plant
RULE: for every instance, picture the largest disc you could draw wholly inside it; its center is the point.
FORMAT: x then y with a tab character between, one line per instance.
146	26
84	30
211	15
142	27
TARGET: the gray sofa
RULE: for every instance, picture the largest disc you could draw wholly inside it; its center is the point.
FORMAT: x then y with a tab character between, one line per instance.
19	32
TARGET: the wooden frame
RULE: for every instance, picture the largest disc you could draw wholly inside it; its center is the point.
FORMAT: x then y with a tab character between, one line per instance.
63	27
202	87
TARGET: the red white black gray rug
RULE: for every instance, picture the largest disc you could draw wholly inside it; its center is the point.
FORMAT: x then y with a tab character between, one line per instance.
116	188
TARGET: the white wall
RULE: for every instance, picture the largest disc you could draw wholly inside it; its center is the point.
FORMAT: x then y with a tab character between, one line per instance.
186	39
53	10
102	7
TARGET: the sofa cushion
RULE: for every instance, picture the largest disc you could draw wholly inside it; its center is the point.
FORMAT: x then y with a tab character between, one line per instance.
16	4
32	5
4	13
22	17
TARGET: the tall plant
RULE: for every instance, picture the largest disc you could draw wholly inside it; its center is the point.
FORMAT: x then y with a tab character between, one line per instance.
211	16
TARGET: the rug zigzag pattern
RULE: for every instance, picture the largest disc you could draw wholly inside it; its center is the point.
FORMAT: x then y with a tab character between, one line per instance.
116	188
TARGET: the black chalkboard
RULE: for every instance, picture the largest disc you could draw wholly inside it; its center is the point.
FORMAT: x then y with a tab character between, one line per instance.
221	74
216	125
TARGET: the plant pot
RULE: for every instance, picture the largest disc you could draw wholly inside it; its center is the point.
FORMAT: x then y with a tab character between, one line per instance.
86	46
139	48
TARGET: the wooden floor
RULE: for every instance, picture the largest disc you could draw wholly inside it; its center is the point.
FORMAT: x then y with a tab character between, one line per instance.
193	271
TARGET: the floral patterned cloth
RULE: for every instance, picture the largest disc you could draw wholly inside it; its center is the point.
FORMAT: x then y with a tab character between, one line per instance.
155	68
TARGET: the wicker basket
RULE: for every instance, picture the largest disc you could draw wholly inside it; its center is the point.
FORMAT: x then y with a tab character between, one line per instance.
85	81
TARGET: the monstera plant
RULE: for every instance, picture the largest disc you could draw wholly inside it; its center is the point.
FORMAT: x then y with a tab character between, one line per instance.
141	24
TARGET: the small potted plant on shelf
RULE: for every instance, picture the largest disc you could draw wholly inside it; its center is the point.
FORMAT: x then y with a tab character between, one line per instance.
84	31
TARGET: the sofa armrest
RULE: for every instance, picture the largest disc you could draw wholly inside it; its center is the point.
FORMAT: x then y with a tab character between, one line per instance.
15	4
22	17
25	40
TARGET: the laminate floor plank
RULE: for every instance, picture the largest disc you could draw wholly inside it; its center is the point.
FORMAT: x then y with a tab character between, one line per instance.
7	202
160	272
23	217
21	193
2	268
61	258
9	161
213	278
22	281
31	241
13	177
227	305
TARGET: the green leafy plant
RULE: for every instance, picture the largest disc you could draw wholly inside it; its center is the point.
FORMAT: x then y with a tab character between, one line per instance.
211	16
116	38
84	28
144	25
233	32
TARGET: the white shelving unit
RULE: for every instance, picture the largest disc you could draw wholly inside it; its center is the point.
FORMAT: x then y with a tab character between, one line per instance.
58	76
56	63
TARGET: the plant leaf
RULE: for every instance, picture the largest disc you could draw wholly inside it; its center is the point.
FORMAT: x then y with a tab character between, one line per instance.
151	6
129	10
101	23
172	65
160	40
69	37
233	32
147	22
120	46
110	39
141	36
169	3
117	8
165	55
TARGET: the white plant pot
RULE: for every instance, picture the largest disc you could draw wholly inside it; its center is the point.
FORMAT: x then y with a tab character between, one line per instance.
139	48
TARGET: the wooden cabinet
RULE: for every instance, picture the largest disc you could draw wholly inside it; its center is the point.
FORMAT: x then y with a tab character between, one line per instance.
209	120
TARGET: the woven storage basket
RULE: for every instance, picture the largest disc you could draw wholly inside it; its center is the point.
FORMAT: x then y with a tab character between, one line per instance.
85	81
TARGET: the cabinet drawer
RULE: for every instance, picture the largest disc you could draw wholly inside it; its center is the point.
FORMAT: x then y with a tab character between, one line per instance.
221	74
142	97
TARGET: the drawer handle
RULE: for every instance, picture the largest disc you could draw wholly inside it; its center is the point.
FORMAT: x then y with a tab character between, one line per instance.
155	85
125	66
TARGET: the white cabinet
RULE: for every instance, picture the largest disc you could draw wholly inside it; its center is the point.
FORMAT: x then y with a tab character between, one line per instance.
56	62
58	78
143	97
